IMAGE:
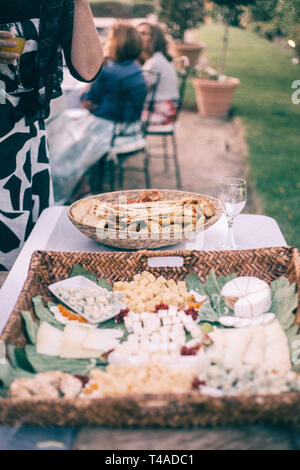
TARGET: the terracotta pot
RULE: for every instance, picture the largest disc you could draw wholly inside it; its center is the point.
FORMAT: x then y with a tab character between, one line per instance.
190	50
214	98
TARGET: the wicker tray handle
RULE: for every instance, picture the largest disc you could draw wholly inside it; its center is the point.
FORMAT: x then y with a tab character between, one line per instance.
178	261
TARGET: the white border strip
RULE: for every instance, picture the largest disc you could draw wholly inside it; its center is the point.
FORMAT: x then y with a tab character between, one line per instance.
15	280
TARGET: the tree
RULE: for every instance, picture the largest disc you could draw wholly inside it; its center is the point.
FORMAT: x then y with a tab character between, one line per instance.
287	15
181	15
262	10
228	10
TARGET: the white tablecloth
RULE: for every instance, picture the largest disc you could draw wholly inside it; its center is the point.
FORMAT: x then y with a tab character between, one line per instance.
54	231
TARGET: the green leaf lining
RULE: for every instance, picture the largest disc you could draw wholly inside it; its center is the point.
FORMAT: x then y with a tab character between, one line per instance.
105	284
43	363
31	326
43	313
284	301
193	282
78	270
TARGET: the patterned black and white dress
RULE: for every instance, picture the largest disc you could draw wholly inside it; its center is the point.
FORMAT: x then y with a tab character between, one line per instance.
25	182
25	177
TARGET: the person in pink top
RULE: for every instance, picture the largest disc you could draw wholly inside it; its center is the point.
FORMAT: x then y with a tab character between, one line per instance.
156	58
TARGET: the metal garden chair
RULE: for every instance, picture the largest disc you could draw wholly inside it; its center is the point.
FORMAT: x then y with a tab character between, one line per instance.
166	131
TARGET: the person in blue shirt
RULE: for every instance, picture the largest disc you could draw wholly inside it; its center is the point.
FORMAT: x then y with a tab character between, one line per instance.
102	99
117	95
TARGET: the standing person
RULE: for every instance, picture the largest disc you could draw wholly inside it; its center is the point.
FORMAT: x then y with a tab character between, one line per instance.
49	27
156	58
104	104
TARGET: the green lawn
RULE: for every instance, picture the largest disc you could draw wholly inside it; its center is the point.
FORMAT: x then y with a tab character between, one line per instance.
272	121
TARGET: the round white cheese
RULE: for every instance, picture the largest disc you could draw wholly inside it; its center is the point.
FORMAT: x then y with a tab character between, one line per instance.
247	296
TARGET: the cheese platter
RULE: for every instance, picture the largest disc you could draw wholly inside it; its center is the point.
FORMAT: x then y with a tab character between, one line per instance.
168	352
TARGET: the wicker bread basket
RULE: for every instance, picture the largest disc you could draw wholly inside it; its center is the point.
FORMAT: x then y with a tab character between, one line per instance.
140	243
185	410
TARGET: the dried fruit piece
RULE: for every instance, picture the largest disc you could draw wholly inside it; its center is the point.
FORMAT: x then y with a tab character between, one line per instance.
70	315
83	378
196	383
186	351
193	312
161	306
120	317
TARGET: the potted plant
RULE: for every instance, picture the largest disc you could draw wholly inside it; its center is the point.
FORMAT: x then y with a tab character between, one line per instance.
180	16
214	91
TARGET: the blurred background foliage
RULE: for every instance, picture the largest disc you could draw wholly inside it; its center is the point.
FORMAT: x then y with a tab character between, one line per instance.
270	19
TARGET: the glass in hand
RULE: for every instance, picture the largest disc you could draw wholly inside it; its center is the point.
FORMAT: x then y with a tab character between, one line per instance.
20	40
232	196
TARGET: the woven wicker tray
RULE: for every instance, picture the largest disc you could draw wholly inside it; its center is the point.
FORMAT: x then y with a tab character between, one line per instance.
140	243
188	410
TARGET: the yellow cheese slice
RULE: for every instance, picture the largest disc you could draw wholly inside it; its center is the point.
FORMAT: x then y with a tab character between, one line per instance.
71	343
48	340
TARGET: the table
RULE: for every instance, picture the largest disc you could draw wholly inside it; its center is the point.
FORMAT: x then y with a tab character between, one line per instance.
54	231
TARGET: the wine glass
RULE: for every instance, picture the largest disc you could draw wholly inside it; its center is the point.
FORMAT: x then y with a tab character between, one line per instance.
20	39
232	196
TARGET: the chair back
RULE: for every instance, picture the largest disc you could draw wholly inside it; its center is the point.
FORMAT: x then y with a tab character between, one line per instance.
182	65
152	79
128	96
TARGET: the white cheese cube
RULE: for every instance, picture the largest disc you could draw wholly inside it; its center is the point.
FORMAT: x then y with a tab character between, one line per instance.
136	317
154	347
176	321
179	340
181	315
155	337
164	348
178	328
196	332
162	313
163	330
173	310
172	313
189	326
173	347
137	329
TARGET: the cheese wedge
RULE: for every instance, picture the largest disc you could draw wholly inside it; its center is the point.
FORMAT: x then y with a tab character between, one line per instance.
101	340
238	340
71	343
255	352
48	340
277	355
217	350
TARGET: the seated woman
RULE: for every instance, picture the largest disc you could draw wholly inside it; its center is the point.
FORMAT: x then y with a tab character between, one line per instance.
155	58
118	95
